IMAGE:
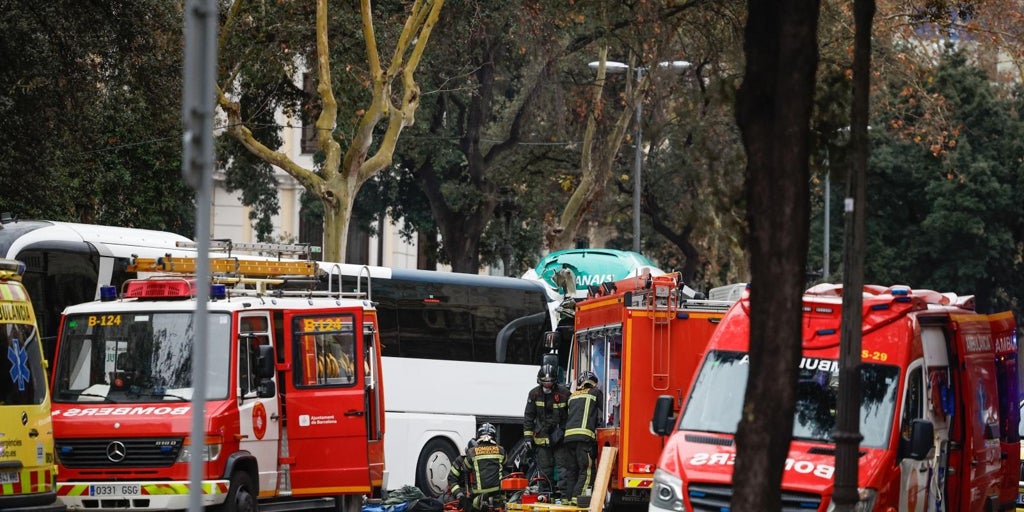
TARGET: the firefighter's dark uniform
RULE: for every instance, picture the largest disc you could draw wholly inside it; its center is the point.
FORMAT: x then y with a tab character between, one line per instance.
585	415
458	479
481	470
545	413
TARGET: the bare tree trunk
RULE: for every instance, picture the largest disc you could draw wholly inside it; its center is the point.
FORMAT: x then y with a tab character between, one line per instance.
773	112
341	176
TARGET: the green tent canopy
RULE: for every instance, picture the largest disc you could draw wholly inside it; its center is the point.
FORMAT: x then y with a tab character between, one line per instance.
591	267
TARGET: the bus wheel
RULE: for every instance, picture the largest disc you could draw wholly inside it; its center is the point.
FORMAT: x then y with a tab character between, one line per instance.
434	463
241	494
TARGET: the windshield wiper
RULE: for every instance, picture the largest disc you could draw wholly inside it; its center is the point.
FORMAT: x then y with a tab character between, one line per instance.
162	394
79	394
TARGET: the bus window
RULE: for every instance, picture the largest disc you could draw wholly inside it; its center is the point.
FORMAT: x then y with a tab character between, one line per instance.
55	280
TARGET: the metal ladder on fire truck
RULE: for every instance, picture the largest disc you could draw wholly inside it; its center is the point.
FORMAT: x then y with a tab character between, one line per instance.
662	303
259	274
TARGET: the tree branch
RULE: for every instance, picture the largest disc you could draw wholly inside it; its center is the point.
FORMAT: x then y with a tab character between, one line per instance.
325	122
241	133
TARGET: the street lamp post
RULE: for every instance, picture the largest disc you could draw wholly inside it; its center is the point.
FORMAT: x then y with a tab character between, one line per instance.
638	185
620	67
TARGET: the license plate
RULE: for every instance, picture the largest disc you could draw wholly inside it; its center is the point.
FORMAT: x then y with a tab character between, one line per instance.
1020	498
114	490
635	496
10	478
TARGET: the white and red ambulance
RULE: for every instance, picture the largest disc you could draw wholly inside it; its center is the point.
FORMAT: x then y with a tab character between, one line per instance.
938	411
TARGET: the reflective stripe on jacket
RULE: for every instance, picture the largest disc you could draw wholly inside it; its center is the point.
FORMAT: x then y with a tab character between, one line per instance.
584	414
486	461
457	475
545	412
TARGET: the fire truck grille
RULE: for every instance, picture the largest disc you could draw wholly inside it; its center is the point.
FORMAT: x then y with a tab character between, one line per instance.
119	453
715	498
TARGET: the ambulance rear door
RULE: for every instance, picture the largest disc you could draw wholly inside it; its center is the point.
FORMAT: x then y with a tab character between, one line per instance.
1004	335
978	404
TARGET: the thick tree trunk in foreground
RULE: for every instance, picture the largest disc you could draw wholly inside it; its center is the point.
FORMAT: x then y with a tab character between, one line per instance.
773	112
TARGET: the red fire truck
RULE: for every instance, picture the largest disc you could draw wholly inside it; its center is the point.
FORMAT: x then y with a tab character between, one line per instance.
938	411
294	412
643	337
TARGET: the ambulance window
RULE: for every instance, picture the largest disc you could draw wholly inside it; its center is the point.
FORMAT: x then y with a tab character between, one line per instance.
21	370
1009	414
326	351
913	403
1020	426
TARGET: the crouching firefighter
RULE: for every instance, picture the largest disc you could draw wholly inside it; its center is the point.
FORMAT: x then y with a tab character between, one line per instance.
483	468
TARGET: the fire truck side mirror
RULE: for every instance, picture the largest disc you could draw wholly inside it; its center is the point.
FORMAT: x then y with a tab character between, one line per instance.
266	389
265	361
922	439
663	420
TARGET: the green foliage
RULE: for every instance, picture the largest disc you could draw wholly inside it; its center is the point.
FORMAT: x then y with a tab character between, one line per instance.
90	113
952	222
246	173
478	77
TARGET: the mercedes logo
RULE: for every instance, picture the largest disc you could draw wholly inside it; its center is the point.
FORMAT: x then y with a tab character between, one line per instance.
116	451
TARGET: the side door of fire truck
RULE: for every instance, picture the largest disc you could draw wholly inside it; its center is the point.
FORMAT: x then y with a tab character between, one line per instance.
326	407
258	416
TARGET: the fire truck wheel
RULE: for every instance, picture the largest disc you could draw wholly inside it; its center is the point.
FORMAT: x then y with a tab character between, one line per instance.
432	468
241	495
348	504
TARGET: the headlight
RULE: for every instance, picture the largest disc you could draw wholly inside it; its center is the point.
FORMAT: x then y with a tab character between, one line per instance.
866	502
211	450
667	491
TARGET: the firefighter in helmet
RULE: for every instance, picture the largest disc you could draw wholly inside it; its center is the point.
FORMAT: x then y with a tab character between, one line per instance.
486	463
585	416
544	426
458	478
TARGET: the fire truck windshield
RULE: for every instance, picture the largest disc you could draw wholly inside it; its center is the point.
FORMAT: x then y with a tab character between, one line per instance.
716	402
138	357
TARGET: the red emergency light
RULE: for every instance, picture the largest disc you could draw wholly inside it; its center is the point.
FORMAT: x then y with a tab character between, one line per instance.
640	467
175	288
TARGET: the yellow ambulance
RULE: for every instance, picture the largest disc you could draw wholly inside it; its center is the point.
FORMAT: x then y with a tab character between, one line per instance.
28	473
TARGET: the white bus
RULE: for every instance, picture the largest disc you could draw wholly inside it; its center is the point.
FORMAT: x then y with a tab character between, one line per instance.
442	377
67	263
